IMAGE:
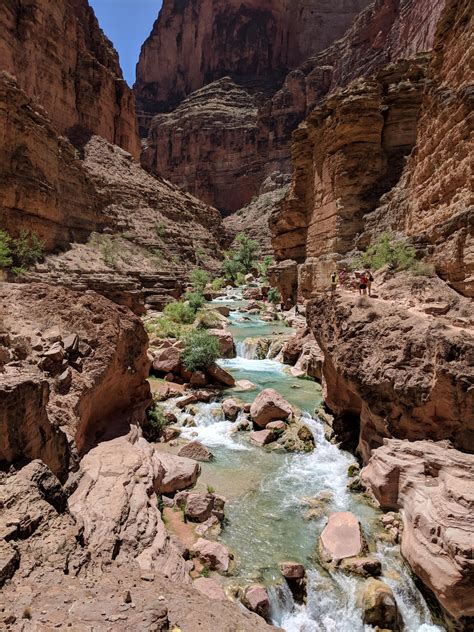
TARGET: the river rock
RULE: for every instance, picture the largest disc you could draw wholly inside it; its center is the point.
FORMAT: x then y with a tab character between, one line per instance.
182	402
226	342
379	607
364	566
213	554
276	426
210	588
197	507
167	360
262	437
269	406
223	310
292	570
170	433
244	386
341	537
231	408
197	451
179	473
198	378
220	375
255	598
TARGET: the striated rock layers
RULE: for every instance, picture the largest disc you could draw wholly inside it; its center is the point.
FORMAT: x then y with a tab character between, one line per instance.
432	484
73	368
62	59
350	179
389	371
254	41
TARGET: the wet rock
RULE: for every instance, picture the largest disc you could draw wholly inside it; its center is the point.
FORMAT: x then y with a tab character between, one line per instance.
220	375
169	434
197	507
379	606
262	437
340	538
197	451
231	408
269	406
364	566
186	400
276	426
255	598
223	310
213	554
244	386
210	588
292	570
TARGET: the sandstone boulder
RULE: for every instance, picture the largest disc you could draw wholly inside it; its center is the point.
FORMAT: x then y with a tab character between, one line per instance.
269	406
213	554
255	598
220	375
210	588
231	408
379	606
226	342
178	473
167	360
292	570
196	451
340	538
364	566
262	437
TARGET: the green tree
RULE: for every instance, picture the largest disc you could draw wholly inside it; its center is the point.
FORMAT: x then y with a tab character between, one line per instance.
389	250
179	313
274	296
231	268
195	299
199	279
6	259
27	249
246	251
200	351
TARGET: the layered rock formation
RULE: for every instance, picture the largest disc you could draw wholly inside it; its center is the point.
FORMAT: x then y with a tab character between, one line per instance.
391	370
62	59
432	483
73	368
255	42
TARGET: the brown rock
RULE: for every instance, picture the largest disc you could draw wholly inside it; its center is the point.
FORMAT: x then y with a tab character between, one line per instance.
179	473
262	437
269	406
212	554
365	566
9	561
276	426
196	450
167	360
220	375
210	588
197	507
231	408
198	378
226	342
379	606
168	434
430	481
292	570
255	598
341	537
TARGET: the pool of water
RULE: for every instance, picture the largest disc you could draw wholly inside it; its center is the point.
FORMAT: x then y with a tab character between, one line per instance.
267	496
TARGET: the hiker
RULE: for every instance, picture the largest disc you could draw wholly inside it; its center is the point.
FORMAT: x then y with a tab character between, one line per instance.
370	280
333	282
297	310
363	284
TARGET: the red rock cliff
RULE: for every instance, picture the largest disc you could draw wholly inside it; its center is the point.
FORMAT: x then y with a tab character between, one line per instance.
62	59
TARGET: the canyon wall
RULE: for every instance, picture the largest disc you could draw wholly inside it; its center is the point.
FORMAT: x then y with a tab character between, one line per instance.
62	59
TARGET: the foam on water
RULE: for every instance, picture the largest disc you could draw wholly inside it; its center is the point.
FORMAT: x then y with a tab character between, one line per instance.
245	364
212	429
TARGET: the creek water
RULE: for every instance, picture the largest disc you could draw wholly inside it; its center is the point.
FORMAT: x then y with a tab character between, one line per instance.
267	496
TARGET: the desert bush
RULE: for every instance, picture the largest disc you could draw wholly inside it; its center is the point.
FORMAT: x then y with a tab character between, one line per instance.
262	266
207	319
199	278
388	249
156	421
110	254
274	296
231	268
200	351
246	251
6	256
218	283
163	327
179	313
195	300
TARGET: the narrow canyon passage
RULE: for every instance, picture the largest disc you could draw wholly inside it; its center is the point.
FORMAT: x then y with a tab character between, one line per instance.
270	495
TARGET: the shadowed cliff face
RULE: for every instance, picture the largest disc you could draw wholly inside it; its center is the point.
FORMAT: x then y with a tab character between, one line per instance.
60	57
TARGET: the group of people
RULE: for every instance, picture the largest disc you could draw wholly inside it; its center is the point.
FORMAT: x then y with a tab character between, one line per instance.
360	280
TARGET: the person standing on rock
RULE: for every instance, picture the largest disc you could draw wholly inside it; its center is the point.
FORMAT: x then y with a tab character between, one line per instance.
333	282
370	280
363	280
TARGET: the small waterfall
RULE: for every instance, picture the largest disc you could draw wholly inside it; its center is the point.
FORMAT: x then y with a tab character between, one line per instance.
281	602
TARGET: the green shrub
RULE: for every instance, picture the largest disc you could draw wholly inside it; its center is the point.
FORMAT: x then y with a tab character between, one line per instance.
195	299
156	421
231	268
160	229
163	327
240	279
205	571
28	249
389	250
274	296
207	319
263	265
199	278
109	253
6	259
179	313
246	251
200	351
218	283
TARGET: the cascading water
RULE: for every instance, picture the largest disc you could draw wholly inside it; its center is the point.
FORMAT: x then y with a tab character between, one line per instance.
267	497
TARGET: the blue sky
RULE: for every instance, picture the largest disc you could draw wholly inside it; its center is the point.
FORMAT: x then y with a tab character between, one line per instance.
127	23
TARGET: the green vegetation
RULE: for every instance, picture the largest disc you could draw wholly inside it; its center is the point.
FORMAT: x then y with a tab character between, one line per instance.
20	253
211	489
201	350
218	283
179	313
199	278
389	250
274	296
160	229
163	327
195	300
207	319
205	571
231	269
263	266
110	252
246	252
156	421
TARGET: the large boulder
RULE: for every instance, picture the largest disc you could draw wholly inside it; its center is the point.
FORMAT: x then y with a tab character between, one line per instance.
340	538
255	598
178	473
231	408
213	554
220	375
226	342
167	359
210	588
269	406
196	450
379	608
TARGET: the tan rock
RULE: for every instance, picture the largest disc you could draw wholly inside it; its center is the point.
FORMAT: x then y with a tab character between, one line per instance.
255	598
379	606
212	554
231	408
196	450
341	537
292	570
226	342
262	437
167	360
220	375
210	588
269	406
179	473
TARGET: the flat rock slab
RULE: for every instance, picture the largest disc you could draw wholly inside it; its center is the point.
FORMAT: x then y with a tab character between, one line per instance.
210	588
341	537
262	437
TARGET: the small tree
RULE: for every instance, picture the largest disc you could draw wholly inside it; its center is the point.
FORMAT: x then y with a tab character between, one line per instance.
195	300
6	260
246	251
389	250
274	296
27	249
231	269
263	265
156	421
199	279
200	351
179	313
